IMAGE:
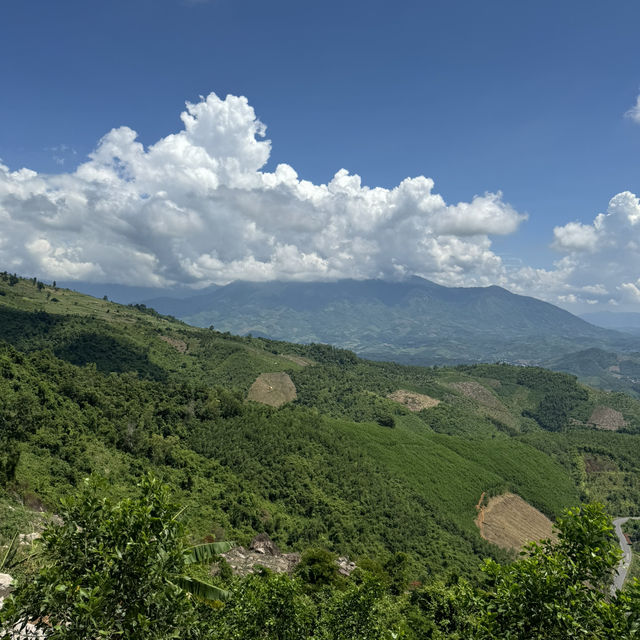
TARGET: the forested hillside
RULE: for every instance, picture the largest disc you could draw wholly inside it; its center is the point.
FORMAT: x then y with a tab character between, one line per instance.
92	387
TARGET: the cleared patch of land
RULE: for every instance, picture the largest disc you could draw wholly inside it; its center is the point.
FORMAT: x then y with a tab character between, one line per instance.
607	418
178	345
492	382
510	522
413	401
477	392
274	389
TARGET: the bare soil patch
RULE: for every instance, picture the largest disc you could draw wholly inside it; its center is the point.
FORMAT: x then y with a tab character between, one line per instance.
274	389
178	345
413	401
477	392
607	418
510	522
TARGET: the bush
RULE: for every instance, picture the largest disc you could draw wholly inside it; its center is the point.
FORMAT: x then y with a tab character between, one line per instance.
110	571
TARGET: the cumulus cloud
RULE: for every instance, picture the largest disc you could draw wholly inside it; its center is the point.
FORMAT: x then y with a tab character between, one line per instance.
575	236
601	261
198	207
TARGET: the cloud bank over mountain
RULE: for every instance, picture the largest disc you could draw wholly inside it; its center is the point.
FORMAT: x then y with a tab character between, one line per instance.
199	207
603	258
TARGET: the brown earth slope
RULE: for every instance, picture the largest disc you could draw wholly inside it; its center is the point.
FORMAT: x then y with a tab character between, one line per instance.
178	345
607	418
274	389
510	522
413	401
477	392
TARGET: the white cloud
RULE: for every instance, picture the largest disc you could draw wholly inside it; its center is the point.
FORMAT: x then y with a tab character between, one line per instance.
601	264
634	112
198	207
575	236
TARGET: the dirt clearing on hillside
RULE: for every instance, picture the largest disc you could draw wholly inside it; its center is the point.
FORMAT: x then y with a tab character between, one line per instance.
607	418
178	345
510	522
413	401
274	389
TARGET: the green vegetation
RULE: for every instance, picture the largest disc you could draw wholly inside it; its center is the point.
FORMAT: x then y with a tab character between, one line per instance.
93	388
136	548
102	552
632	529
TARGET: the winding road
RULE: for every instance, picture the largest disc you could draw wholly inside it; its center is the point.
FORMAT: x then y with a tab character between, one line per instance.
621	572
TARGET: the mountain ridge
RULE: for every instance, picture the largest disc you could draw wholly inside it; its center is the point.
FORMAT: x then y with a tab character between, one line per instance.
416	320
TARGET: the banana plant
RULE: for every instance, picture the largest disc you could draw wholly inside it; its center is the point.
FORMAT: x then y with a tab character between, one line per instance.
8	560
200	554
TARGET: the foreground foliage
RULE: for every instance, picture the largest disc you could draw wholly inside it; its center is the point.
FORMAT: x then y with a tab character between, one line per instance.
113	570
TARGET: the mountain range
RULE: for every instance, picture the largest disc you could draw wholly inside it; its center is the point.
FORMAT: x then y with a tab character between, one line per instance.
414	321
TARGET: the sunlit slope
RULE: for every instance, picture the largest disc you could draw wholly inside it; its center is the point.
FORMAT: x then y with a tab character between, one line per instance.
117	338
91	386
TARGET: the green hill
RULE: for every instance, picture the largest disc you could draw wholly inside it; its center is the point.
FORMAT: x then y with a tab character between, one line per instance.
90	386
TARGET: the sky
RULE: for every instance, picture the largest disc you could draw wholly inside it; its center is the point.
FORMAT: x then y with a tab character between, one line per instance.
164	142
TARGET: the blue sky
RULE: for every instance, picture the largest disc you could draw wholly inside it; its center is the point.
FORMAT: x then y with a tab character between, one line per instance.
526	99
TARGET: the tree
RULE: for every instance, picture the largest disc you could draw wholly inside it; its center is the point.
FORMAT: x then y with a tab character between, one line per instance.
360	612
265	606
318	569
558	590
115	570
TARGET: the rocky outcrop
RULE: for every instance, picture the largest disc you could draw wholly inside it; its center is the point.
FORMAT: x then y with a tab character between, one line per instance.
30	631
262	552
28	538
345	566
5	586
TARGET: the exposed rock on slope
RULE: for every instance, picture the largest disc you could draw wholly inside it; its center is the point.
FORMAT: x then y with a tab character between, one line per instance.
262	552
